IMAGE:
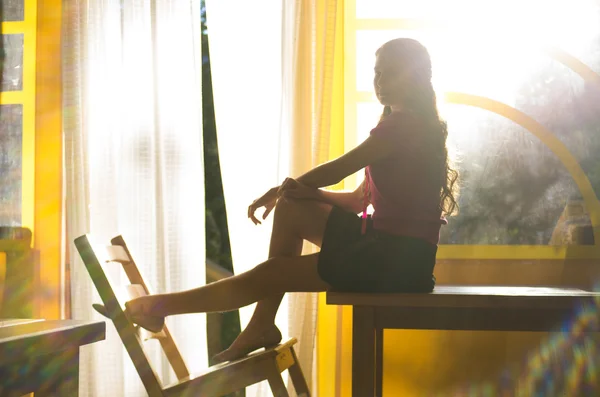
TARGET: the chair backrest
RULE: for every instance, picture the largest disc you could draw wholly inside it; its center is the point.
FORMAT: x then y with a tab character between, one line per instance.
95	258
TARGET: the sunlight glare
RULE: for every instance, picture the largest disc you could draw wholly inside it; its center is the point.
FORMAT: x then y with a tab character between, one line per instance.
482	48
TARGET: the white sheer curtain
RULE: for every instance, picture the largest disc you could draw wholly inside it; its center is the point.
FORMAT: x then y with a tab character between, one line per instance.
254	58
245	54
134	164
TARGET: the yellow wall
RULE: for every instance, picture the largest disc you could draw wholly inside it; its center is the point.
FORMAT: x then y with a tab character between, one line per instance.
48	155
329	330
422	362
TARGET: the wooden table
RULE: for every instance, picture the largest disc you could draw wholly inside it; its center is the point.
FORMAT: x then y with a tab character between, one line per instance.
42	356
473	308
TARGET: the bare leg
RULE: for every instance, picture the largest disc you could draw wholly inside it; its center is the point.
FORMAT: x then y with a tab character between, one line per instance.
264	281
294	222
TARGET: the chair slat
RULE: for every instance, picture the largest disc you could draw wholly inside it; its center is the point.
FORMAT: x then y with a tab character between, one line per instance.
116	253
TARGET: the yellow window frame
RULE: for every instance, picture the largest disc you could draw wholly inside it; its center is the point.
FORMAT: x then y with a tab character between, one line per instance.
41	162
26	97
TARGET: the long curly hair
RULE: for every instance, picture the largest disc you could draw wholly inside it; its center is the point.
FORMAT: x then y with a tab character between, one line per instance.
419	97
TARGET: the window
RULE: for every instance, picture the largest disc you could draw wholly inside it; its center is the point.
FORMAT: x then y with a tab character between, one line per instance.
515	81
17	113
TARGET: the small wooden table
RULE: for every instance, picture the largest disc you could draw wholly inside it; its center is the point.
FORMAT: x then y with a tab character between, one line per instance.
472	308
42	356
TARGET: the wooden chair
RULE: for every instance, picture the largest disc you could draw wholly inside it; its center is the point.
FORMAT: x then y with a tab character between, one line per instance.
216	381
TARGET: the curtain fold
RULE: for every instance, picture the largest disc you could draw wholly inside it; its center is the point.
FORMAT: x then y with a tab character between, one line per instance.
317	132
246	55
134	166
275	96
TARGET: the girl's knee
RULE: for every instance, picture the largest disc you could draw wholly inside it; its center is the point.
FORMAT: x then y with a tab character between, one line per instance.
287	204
265	276
268	268
287	209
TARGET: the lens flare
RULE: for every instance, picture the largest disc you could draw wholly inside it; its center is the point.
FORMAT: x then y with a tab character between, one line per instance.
564	365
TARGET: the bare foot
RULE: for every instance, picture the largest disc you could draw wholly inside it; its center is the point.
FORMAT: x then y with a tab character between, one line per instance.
139	311
252	338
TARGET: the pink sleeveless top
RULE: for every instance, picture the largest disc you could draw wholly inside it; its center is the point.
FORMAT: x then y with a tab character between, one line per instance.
405	186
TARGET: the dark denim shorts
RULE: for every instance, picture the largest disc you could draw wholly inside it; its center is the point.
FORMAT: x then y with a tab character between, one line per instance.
391	264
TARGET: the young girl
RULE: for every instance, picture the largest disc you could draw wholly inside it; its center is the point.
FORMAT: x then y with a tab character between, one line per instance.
407	180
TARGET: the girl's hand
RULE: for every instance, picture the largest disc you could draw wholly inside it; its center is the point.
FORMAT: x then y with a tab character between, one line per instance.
291	188
267	200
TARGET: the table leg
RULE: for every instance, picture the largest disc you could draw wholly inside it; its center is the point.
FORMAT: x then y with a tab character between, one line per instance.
64	381
363	351
379	362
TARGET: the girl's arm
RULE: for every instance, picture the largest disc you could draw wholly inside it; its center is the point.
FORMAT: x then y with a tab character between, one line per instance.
352	201
374	148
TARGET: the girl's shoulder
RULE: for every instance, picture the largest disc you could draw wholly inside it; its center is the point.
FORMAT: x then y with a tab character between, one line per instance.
398	124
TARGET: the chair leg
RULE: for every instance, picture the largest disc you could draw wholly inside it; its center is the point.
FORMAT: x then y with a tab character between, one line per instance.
276	383
297	376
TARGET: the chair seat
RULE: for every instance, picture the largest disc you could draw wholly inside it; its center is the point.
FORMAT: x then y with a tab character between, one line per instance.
230	376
